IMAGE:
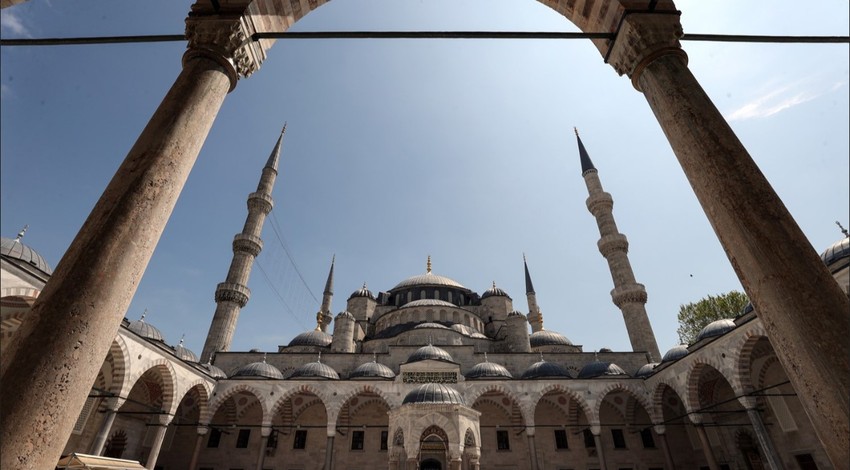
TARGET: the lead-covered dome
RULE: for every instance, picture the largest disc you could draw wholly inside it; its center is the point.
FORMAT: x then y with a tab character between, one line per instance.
315	370
716	328
372	370
646	370
543	369
494	292
430	352
488	370
362	292
548	338
312	338
836	252
14	248
428	279
434	393
145	329
601	369
257	370
185	353
675	353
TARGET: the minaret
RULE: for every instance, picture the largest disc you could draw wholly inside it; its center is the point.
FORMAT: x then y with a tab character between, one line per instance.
323	316
628	295
232	294
535	316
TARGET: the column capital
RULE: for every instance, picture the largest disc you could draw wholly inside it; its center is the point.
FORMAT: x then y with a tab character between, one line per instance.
659	429
227	40
202	430
595	429
162	420
642	38
749	403
113	403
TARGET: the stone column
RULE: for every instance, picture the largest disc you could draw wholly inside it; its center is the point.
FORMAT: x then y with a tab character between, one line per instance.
199	442
329	453
47	373
161	429
455	463
265	432
765	442
706	447
660	431
772	257
412	463
112	405
532	447
600	452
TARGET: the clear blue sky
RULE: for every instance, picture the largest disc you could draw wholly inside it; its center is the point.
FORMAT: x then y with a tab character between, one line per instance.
461	149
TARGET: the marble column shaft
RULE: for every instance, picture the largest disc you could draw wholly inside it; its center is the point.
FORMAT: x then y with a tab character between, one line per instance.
765	442
600	452
706	447
103	432
62	342
329	453
196	452
261	458
156	446
665	447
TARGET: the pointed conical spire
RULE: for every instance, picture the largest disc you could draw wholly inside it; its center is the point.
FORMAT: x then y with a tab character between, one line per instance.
529	287
329	284
274	158
586	163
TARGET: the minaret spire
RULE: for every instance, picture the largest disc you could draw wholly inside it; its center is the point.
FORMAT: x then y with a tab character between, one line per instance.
232	294
535	316
628	295
324	316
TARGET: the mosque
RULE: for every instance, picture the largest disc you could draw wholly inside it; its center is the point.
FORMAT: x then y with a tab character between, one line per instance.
430	374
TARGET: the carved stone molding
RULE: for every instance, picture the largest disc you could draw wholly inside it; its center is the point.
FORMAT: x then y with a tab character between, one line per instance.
632	293
227	40
643	37
613	243
599	202
260	201
231	292
247	244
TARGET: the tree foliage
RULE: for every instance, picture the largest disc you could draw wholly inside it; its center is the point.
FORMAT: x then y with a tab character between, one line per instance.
693	317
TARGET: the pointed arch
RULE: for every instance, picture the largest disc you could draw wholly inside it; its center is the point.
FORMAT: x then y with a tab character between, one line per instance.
120	381
743	354
222	398
391	401
574	395
693	379
633	393
203	390
165	369
300	388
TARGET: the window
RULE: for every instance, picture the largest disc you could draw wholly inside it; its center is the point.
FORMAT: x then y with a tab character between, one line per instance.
502	441
647	439
243	438
806	462
589	442
300	441
561	439
215	437
357	440
384	437
619	438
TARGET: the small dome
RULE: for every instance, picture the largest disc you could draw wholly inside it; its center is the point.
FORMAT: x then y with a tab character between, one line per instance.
315	370
430	352
516	313
345	314
257	370
184	353
494	291
214	371
488	370
362	292
749	308
548	338
428	279
434	393
429	303
312	338
839	250
716	328
543	369
145	330
431	325
13	248
675	353
601	369
646	370
372	370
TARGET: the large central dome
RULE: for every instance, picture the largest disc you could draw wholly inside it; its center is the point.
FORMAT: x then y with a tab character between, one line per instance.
428	279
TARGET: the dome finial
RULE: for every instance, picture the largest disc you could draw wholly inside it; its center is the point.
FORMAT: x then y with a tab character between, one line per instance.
494	285
264	357
318	321
26	227
485	357
595	356
375	357
319	359
840	227
541	357
428	265
364	285
182	338
144	314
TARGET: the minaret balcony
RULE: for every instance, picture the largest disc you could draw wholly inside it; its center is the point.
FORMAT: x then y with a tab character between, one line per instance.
232	292
261	201
599	203
246	243
631	293
613	243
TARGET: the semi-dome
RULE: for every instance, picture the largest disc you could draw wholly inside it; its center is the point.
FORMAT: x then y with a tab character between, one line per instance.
430	352
428	279
429	303
675	353
543	369
548	338
837	251
488	370
646	370
372	370
144	329
312	338
13	248
601	369
716	328
315	370
184	353
434	393
362	292
494	292
257	370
